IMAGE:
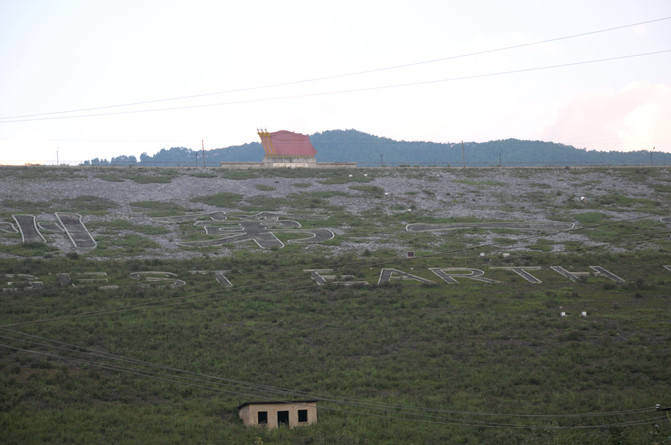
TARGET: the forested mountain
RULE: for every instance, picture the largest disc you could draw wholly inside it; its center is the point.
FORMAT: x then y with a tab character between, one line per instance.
372	151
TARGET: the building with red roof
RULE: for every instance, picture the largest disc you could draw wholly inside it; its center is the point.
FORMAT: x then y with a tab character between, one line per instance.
287	149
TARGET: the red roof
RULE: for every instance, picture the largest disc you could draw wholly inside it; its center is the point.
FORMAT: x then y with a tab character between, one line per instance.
286	143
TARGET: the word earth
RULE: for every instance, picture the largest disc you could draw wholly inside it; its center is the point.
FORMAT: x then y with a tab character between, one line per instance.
449	275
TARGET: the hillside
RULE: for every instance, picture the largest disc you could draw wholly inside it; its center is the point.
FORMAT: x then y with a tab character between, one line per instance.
373	151
498	305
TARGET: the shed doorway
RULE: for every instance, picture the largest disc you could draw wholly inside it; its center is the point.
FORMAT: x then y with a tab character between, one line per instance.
282	418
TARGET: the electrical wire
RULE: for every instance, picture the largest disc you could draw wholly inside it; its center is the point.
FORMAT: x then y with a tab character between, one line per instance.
348	407
353	406
418	414
346	91
356	73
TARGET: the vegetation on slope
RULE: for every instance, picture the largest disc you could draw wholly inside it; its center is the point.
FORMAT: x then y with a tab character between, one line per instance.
403	361
373	151
162	350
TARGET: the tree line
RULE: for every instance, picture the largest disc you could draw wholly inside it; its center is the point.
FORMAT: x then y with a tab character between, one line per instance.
374	151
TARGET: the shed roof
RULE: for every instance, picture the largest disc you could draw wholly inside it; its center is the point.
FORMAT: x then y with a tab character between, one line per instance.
276	402
287	143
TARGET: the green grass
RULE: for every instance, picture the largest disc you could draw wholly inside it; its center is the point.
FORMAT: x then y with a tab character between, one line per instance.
42	173
471	347
592	218
128	245
29	249
205	175
241	175
370	189
159	208
262	202
662	188
456	349
94	205
10	206
302	185
86	204
299	201
111	177
140	175
115	226
479	183
543	245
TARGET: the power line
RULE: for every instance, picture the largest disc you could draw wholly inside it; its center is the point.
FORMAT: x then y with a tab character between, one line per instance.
336	76
347	91
376	410
353	406
204	381
416	418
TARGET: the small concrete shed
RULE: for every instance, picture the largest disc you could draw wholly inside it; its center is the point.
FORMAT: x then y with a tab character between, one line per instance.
275	413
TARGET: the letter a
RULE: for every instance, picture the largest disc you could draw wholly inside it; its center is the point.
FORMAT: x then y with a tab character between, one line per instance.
387	274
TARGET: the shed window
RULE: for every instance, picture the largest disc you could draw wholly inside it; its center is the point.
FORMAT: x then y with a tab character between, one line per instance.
302	415
262	417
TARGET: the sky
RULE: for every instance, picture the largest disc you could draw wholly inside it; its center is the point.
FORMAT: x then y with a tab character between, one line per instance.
97	79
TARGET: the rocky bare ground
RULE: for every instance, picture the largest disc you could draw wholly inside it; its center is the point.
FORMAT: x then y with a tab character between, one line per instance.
496	194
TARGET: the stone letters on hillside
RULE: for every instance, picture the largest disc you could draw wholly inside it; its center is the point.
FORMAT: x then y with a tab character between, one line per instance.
68	224
450	276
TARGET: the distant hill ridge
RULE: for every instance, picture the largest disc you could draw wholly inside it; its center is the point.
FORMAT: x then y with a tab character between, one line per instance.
374	151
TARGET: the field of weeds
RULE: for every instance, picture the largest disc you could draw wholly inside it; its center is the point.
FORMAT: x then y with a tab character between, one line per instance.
507	334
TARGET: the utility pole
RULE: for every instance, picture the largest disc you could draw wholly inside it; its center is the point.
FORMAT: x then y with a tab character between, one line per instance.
463	154
202	141
57	155
653	149
499	159
381	160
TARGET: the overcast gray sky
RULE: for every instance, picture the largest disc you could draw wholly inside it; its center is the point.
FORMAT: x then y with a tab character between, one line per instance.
441	71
